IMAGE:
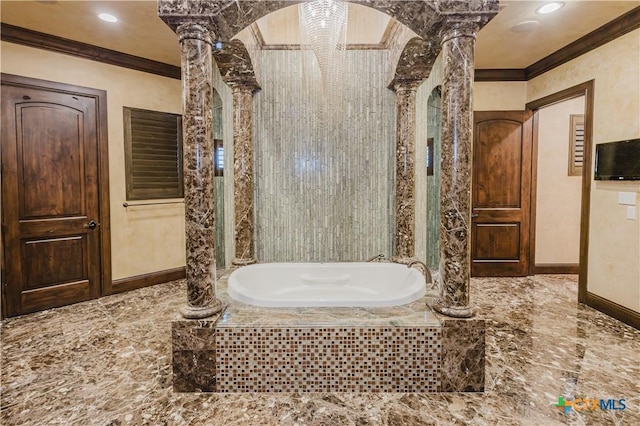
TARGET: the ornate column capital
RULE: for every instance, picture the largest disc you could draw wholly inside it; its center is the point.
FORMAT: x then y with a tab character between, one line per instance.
250	86
458	26
407	85
195	30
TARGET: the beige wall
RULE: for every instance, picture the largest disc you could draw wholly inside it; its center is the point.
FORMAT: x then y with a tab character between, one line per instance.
145	238
614	241
499	95
558	194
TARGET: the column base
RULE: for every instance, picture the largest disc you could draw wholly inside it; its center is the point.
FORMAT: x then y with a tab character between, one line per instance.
402	260
453	311
200	312
243	262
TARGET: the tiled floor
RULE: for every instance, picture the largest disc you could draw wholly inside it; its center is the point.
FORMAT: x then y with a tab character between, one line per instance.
107	362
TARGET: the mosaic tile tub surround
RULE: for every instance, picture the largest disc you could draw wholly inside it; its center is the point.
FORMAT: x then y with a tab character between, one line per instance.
326	358
391	349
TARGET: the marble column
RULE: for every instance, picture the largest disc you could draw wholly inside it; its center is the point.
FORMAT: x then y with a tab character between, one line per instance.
243	172
405	171
197	124
458	43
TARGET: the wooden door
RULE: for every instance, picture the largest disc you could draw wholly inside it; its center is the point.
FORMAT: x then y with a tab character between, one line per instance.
501	193
50	199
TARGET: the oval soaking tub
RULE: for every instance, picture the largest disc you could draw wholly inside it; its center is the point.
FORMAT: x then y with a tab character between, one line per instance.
326	284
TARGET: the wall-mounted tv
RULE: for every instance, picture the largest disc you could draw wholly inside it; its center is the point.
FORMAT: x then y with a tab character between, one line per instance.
618	160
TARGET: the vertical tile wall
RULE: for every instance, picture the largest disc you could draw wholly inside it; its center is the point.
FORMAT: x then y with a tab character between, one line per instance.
226	184
424	223
434	130
323	196
218	185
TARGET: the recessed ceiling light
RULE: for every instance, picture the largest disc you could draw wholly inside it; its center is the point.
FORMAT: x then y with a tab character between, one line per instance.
550	7
107	17
524	26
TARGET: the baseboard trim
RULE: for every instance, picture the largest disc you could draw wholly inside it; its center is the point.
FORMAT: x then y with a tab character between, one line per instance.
145	280
619	312
556	268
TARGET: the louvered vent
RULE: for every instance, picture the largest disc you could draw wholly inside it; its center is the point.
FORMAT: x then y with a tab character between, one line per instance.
576	144
153	146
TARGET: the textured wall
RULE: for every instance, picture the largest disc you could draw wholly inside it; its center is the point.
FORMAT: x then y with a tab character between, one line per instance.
133	229
323	196
559	195
614	241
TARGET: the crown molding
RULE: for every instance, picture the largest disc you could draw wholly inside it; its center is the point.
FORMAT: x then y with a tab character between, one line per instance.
610	31
618	27
26	37
500	75
606	33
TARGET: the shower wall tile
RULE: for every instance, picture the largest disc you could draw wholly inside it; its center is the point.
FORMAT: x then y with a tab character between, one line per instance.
227	186
423	222
323	186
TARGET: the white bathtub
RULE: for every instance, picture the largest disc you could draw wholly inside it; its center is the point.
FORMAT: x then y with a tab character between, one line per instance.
326	284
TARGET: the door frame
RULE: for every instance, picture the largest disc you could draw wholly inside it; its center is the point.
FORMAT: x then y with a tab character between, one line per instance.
585	89
100	97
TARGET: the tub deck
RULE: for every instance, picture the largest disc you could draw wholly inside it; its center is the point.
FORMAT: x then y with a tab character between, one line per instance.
406	348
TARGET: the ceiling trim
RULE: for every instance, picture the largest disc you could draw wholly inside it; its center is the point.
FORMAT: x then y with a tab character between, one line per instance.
618	27
610	31
24	36
500	75
606	33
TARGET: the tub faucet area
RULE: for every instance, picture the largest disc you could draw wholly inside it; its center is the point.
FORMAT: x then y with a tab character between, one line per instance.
376	258
425	271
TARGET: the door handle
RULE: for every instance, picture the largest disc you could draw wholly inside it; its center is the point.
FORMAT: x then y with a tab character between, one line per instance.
92	224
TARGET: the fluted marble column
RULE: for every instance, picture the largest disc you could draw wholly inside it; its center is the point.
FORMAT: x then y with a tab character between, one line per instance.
458	44
243	172
197	117
405	171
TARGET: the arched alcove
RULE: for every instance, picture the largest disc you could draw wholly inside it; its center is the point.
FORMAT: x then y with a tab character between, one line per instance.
200	24
434	151
218	161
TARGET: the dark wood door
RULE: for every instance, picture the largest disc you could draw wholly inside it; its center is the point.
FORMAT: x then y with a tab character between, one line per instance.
50	204
501	193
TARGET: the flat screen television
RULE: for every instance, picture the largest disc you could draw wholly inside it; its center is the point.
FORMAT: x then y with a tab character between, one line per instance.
618	160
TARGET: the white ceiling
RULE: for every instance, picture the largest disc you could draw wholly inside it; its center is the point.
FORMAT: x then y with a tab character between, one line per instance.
140	32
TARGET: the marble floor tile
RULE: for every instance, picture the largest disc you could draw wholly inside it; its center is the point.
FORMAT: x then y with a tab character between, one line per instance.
108	362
